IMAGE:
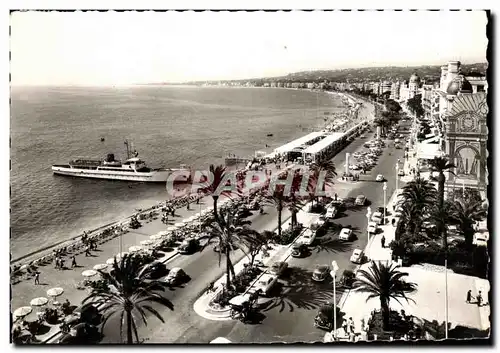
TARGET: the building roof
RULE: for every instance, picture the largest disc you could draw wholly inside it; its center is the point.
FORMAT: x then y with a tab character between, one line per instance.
459	84
298	142
415	78
326	142
475	102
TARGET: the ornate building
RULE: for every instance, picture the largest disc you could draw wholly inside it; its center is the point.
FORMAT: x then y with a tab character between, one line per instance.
410	90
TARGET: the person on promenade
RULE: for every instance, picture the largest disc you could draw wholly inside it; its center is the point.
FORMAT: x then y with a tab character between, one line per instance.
382	241
336	196
187	206
479	299
37	278
73	261
344	326
469	297
87	251
61	264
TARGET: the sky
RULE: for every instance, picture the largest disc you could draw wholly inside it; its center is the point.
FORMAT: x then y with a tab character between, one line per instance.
109	48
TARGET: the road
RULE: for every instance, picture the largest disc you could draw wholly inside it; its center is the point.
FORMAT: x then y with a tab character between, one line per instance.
299	297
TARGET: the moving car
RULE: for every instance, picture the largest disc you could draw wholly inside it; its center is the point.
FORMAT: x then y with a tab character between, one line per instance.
156	270
345	234
264	284
372	227
357	256
320	273
380	177
176	276
299	250
189	246
278	268
360	200
307	237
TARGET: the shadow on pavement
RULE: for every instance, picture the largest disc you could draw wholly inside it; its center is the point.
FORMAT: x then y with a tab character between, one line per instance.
299	291
332	244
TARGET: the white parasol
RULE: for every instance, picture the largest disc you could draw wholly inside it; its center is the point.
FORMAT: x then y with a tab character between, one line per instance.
110	261
89	273
122	254
146	242
22	311
55	292
135	248
23	267
186	220
171	228
156	237
100	267
163	233
178	225
40	301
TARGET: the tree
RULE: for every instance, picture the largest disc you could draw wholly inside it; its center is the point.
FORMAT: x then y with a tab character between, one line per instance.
130	293
277	199
219	175
384	282
254	241
228	234
324	169
465	214
415	105
440	165
418	198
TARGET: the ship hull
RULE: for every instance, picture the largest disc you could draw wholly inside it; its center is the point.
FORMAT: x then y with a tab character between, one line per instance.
157	176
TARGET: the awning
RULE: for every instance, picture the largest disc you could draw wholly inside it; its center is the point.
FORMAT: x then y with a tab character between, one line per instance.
434	139
428	151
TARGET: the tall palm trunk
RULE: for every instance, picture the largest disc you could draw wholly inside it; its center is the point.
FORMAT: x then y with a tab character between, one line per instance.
384	305
294	218
215	198
228	268
280	208
129	327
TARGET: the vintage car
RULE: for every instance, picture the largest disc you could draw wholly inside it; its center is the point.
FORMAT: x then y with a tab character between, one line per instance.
320	273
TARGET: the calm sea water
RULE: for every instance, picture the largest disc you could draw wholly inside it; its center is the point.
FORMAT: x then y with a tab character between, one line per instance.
168	126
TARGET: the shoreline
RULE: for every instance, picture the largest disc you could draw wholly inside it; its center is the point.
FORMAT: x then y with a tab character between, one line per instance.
35	254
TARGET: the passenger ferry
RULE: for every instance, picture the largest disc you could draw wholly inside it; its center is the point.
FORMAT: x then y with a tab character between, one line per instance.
133	169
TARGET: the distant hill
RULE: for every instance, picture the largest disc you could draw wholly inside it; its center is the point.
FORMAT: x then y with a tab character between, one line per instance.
390	73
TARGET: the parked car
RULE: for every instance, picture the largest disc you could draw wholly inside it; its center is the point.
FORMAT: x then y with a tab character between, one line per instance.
189	246
360	200
331	213
401	172
378	217
379	178
156	270
345	234
175	277
319	227
307	237
299	250
320	273
397	146
325	316
380	210
264	284
372	227
278	268
357	256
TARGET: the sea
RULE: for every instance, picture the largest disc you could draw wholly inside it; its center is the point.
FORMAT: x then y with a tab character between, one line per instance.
168	126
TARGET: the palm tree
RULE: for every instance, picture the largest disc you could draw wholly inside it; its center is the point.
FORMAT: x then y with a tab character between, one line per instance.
219	174
418	198
440	165
128	292
254	241
465	214
228	233
319	168
384	282
277	199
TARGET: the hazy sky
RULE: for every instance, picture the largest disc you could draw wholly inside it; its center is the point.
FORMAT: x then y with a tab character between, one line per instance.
120	48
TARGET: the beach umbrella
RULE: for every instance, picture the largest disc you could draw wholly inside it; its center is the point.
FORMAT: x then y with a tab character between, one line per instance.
100	267
39	301
163	233
23	267
171	228
110	261
122	254
187	220
155	237
135	248
146	242
89	273
178	225
55	292
22	311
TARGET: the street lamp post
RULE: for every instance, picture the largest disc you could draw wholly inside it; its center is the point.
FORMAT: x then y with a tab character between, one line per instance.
368	215
333	273
385	198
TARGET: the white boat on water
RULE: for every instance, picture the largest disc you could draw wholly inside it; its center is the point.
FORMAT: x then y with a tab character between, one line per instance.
132	169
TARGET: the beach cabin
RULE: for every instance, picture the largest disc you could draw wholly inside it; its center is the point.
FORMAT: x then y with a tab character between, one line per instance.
294	149
324	149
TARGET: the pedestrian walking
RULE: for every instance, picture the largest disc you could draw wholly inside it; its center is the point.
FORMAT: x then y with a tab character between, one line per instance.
469	297
479	299
73	261
173	211
87	251
350	324
382	241
198	200
187	206
336	196
37	277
